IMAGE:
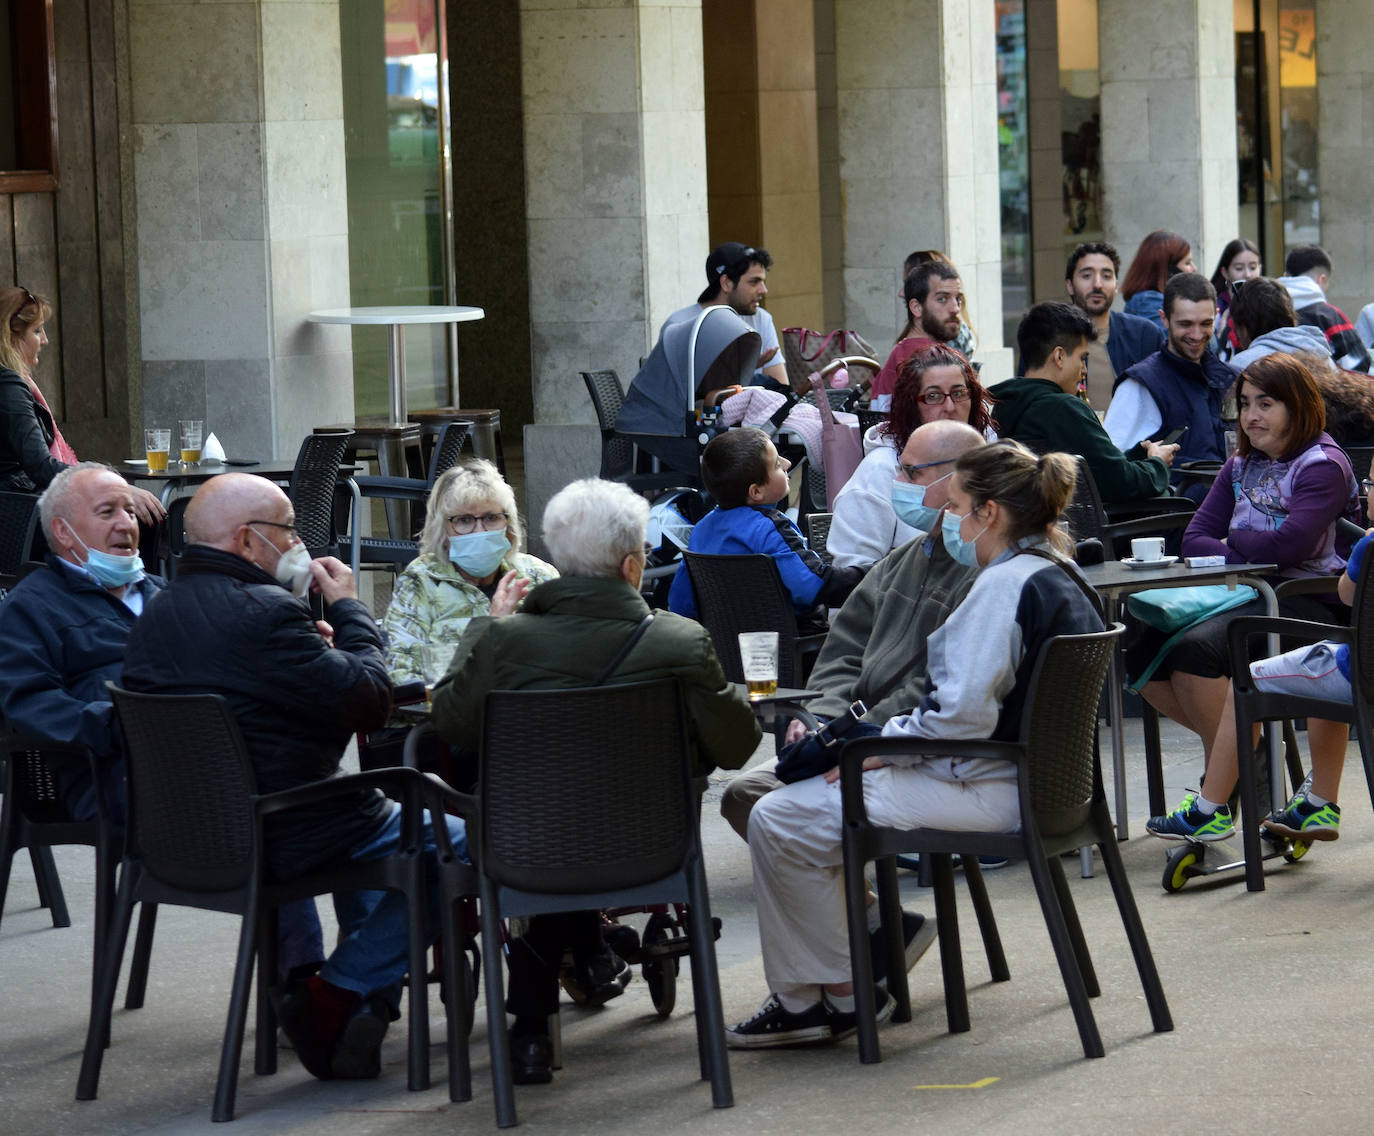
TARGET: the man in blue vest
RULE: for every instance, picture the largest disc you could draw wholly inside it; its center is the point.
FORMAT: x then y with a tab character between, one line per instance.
1182	385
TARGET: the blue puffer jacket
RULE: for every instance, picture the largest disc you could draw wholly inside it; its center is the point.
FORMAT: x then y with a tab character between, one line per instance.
63	637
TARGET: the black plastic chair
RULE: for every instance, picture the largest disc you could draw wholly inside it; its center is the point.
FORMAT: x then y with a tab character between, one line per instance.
1063	808
818	534
393	553
1090	519
552	838
744	592
1254	706
619	459
314	483
18	524
870	418
33	816
197	841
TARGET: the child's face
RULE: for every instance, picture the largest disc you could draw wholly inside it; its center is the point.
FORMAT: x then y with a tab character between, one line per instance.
774	488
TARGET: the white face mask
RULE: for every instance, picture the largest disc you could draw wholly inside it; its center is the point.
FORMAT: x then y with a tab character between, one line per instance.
293	568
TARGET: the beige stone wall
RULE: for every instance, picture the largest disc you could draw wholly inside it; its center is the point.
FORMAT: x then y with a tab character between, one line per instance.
1345	148
615	166
236	129
917	134
1168	122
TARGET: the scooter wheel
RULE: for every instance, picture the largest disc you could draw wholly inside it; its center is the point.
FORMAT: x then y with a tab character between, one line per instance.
1177	863
1296	851
660	972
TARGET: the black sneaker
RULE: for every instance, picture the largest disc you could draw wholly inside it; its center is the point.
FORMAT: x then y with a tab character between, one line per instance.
293	1007
774	1026
918	933
843	1024
531	1058
597	980
357	1054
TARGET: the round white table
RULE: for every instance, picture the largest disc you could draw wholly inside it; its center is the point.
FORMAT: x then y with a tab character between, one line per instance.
396	318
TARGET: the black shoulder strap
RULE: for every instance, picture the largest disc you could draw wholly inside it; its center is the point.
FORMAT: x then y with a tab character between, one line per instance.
629	645
1066	566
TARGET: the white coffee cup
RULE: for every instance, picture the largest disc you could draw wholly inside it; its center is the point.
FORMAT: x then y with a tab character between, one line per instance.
1148	548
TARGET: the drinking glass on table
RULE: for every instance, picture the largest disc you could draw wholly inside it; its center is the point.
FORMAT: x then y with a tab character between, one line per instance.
758	654
157	442
192	432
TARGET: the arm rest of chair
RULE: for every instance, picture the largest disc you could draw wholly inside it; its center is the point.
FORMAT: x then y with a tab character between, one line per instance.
1308	586
397	782
394	488
1239	631
853	753
1148	526
1349	529
1151	505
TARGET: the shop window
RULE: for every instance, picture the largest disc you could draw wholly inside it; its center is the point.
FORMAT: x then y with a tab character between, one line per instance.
28	98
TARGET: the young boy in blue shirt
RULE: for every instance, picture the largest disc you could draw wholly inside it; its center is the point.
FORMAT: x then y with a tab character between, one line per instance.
746	477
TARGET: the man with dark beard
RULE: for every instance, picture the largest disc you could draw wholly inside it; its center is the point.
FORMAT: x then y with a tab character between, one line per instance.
1123	340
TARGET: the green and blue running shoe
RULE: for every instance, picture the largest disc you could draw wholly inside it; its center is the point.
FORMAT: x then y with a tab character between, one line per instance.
1189	823
1302	820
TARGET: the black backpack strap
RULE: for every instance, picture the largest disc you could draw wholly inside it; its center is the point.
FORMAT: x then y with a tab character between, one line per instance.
1067	566
620	656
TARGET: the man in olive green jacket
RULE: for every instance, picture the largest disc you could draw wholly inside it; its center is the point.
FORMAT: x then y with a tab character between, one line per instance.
566	633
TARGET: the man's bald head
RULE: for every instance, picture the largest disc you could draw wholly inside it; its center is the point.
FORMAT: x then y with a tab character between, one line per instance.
943	440
224	504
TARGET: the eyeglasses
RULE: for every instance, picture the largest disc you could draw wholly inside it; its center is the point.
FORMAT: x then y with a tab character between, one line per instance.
912	470
1366	484
290	529
465	523
933	396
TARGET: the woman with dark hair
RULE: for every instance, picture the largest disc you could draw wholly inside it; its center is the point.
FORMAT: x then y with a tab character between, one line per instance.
1349	399
1276	501
1239	262
936	382
32	449
1001	519
1160	255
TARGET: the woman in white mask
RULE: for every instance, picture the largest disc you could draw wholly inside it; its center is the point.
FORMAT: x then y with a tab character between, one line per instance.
470	564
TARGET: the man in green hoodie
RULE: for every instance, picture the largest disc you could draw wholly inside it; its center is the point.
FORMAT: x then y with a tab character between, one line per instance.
1043	410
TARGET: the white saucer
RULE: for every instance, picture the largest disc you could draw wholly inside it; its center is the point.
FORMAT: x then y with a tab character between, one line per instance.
135	461
1162	562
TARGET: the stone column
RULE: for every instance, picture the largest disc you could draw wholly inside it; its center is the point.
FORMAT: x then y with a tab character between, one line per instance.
1345	150
1168	123
761	144
615	164
917	99
237	141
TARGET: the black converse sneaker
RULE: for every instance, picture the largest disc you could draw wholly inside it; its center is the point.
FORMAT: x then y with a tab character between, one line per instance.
774	1026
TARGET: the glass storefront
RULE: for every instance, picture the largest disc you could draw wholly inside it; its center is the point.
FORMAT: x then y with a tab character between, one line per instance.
1013	161
1276	131
1080	121
392	73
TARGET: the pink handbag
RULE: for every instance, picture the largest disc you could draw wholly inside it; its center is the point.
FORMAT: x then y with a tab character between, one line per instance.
842	446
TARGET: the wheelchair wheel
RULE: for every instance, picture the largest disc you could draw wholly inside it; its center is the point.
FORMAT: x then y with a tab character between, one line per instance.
1177	863
659	967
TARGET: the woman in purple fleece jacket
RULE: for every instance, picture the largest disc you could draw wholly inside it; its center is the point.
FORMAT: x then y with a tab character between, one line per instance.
1276	501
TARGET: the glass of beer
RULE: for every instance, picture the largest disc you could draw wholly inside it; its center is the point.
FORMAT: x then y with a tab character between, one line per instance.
156	444
758	653
192	431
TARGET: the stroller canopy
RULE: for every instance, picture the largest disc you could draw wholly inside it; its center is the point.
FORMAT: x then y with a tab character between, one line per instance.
715	350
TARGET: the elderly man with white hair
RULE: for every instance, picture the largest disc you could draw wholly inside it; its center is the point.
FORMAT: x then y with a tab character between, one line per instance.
565	634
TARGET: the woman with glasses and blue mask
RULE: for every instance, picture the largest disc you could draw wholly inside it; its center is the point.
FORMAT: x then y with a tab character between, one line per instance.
1275	501
936	383
470	564
32	449
1001	518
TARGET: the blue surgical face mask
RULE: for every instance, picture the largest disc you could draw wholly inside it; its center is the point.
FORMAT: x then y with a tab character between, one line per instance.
909	503
479	553
109	570
964	551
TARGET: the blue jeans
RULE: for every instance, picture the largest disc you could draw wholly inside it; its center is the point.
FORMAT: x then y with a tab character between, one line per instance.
374	952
